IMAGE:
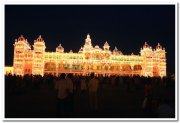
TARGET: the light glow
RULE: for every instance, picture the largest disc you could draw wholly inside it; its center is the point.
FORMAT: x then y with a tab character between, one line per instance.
36	61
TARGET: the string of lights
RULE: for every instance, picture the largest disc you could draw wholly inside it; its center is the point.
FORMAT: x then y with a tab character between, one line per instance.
150	62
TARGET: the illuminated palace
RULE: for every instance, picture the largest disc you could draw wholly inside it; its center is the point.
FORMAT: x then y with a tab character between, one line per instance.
36	61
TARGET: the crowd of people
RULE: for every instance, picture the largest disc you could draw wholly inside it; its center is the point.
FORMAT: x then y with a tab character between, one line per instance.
155	103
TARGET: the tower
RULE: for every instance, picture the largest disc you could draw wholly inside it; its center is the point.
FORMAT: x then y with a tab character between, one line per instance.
60	49
107	52
106	46
159	67
38	56
87	46
147	54
21	48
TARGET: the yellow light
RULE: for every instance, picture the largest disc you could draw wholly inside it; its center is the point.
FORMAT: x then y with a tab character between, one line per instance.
88	57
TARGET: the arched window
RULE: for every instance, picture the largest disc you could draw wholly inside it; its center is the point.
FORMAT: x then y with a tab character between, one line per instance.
126	67
137	67
50	66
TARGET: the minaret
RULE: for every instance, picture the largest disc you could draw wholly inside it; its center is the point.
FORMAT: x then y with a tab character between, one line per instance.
88	39
147	54
21	48
159	65
87	46
38	56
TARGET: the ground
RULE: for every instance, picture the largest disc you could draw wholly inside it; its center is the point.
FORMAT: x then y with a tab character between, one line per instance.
114	101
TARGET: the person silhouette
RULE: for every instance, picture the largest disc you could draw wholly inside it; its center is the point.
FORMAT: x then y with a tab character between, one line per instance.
62	95
93	90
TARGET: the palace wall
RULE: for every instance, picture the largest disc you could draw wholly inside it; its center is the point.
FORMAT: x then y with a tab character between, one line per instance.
36	61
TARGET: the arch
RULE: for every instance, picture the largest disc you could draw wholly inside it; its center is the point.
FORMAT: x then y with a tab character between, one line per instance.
59	66
112	67
75	67
106	67
50	66
155	71
126	67
137	67
87	56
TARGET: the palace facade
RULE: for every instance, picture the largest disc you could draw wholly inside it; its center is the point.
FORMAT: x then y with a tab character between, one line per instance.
37	61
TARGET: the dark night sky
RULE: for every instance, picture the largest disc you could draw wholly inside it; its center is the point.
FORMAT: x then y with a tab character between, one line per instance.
124	26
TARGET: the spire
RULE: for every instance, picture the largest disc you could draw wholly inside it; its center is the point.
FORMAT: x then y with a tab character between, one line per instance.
146	45
60	48
88	36
88	46
106	46
158	46
115	51
40	39
81	50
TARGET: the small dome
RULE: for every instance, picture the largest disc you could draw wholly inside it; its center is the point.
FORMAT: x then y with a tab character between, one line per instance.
60	49
146	45
21	38
106	46
96	47
158	46
39	39
116	51
70	51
